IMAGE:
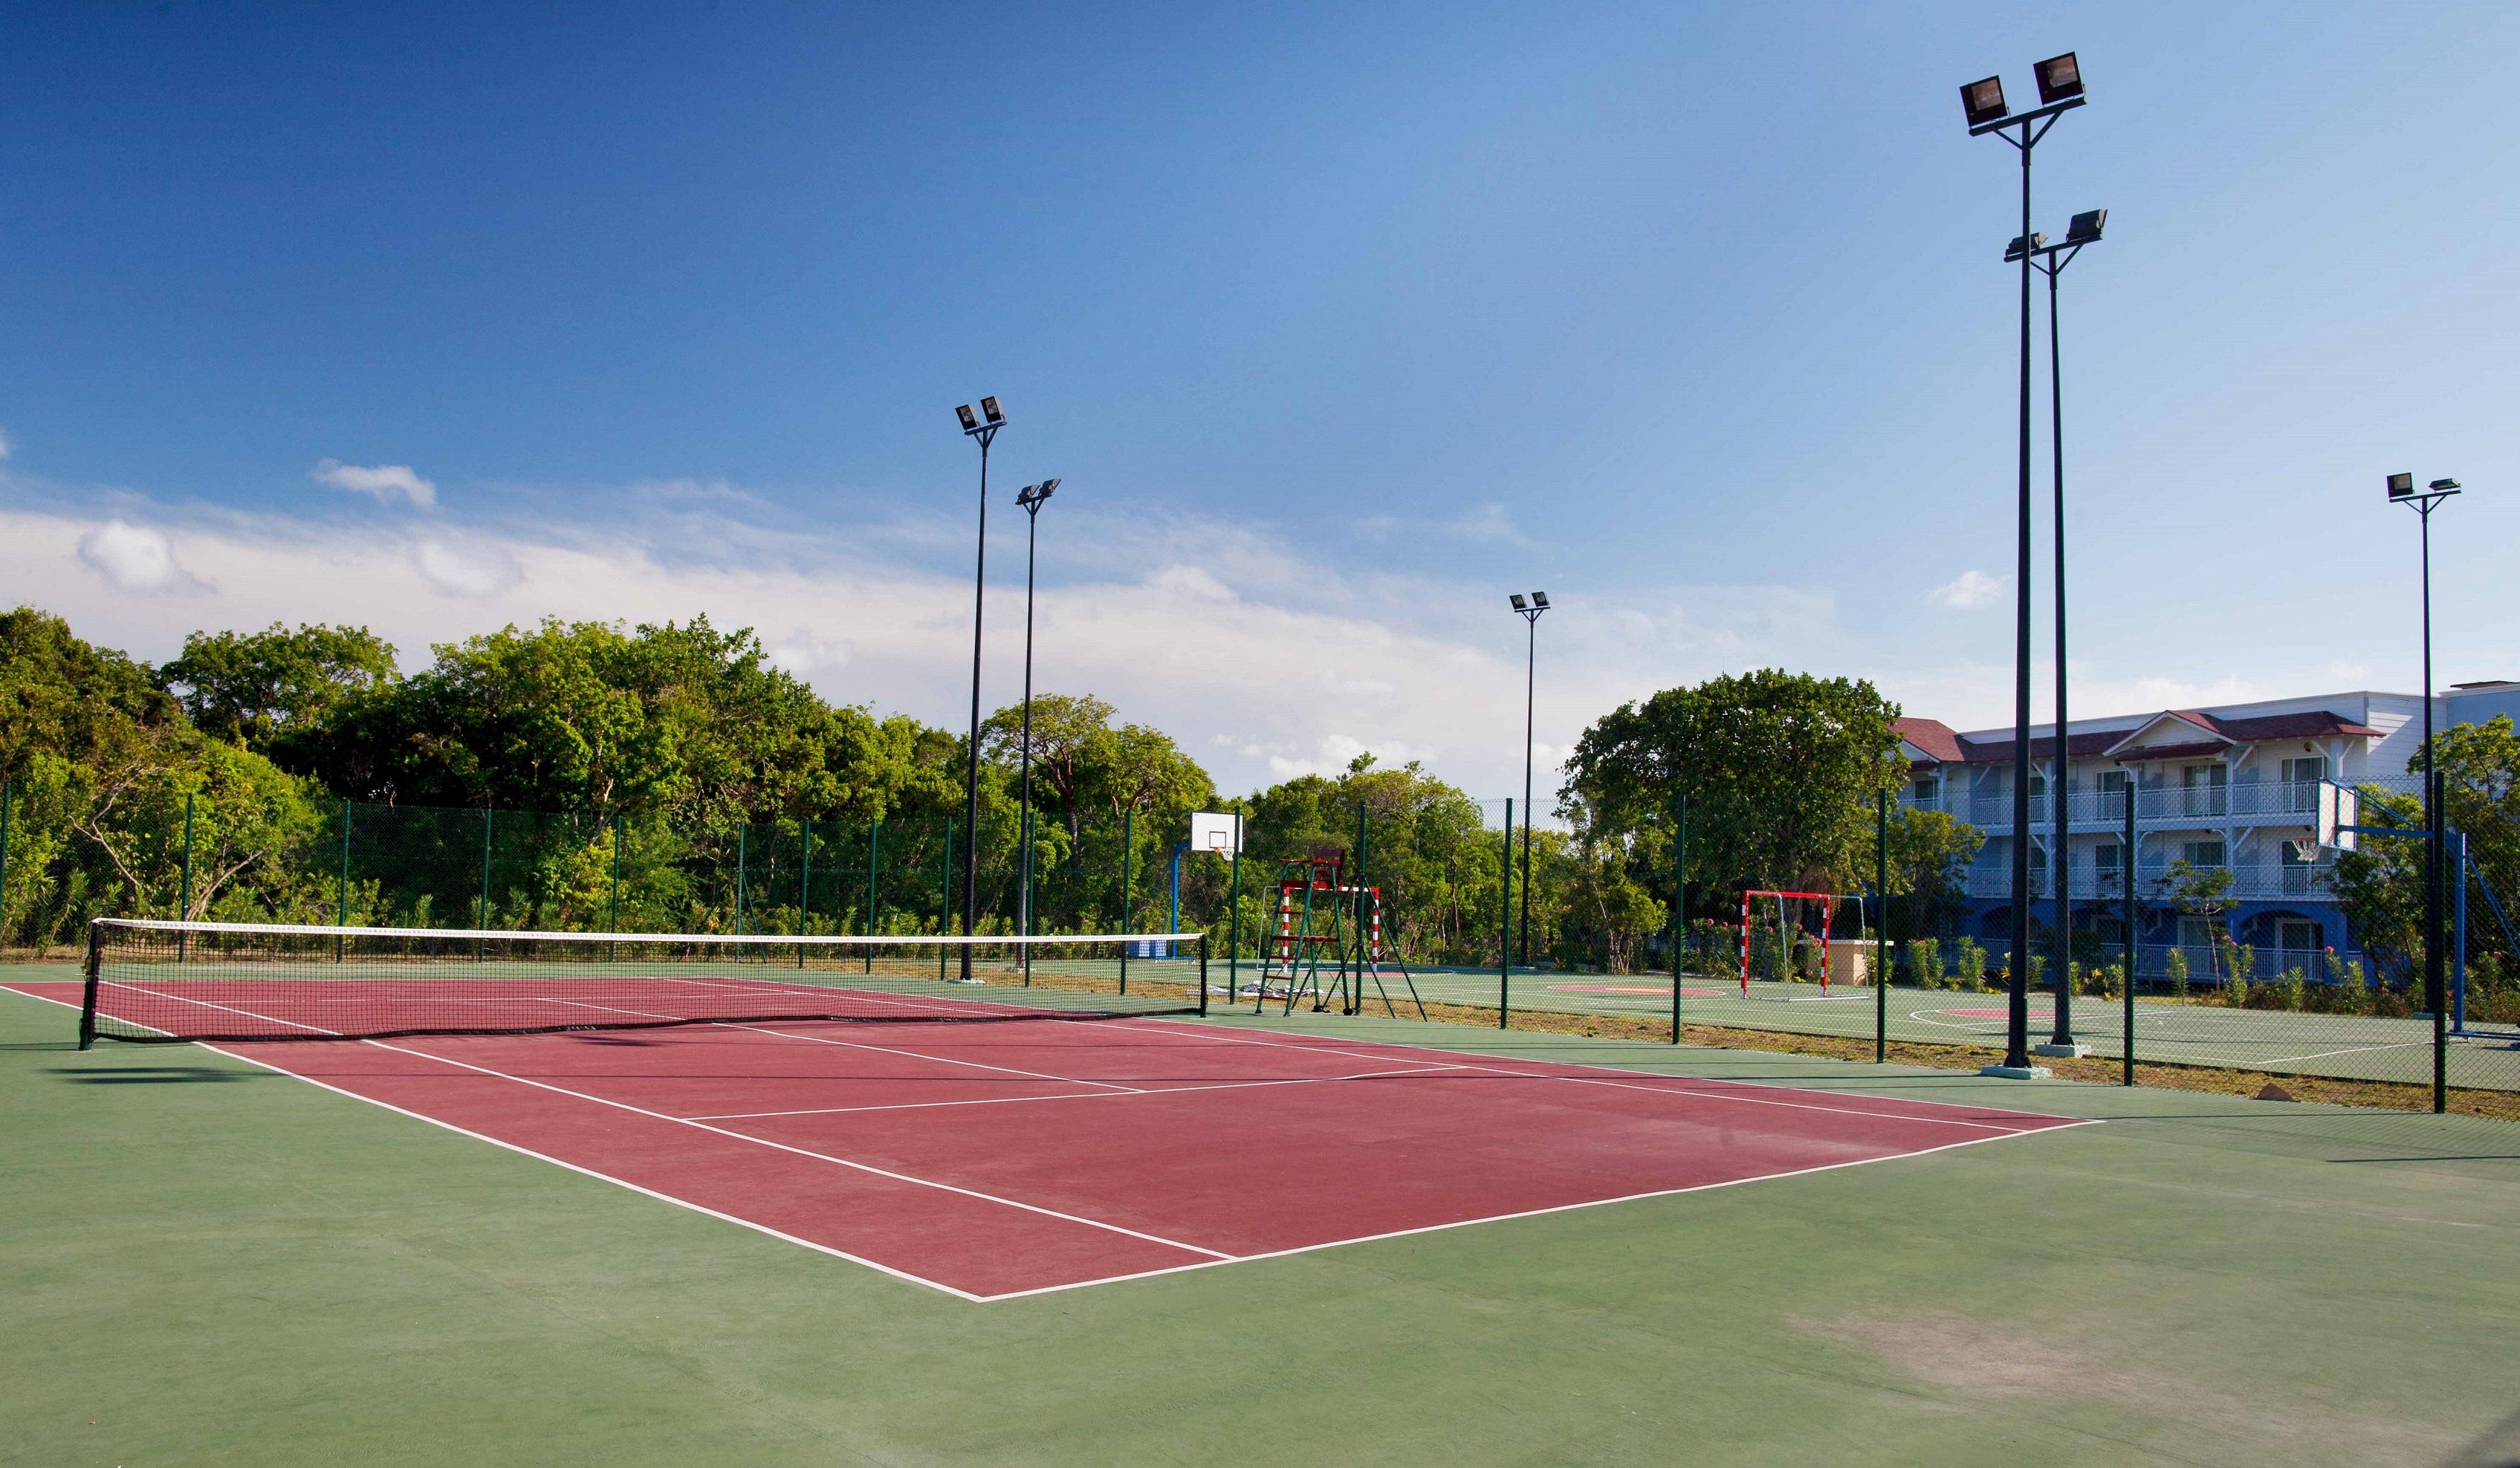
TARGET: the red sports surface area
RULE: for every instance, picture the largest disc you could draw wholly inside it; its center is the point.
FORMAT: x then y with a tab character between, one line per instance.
1006	1159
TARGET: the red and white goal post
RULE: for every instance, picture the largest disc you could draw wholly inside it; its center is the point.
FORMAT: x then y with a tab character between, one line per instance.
1793	919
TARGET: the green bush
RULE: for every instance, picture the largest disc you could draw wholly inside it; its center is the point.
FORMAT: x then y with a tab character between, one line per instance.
2294	989
1973	966
1925	962
2175	970
2239	959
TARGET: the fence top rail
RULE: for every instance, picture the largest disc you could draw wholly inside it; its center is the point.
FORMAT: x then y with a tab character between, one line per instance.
761	940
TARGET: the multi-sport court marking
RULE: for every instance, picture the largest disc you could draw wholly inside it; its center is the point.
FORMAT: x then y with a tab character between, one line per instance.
1001	1160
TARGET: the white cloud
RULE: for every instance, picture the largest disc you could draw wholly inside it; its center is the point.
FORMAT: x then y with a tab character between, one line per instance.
2348	671
805	655
1490	522
4	443
1969	591
467	571
383	482
138	559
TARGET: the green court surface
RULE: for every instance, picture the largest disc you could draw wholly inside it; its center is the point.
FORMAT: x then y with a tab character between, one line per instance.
2357	1048
210	1263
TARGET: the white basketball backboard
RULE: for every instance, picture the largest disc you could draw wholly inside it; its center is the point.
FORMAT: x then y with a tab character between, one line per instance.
1217	831
2337	808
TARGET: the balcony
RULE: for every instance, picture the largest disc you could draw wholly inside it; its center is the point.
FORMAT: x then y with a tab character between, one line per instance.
2255	881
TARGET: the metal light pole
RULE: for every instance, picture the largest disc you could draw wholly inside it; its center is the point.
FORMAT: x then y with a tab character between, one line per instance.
1031	497
2060	90
1530	613
984	432
2051	260
2402	490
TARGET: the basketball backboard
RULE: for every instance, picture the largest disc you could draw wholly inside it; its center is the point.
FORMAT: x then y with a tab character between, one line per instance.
1220	833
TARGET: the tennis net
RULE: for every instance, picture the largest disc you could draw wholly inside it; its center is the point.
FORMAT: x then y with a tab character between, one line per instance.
227	981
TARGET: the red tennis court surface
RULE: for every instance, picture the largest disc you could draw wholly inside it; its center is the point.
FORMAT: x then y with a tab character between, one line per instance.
1006	1159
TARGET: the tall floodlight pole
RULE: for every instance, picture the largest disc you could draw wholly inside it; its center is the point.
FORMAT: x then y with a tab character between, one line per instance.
2402	490
2051	260
982	428
1031	497
2060	90
1530	613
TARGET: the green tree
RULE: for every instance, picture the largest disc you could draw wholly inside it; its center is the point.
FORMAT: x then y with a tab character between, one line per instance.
256	687
1779	768
1929	855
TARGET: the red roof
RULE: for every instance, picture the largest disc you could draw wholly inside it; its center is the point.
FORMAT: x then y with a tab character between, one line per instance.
1940	743
1931	736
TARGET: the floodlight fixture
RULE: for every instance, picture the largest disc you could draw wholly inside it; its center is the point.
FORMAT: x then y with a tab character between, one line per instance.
970	422
989	407
2059	78
1984	101
2443	486
2086	226
2402	486
2015	250
1540	600
1519	604
1032	495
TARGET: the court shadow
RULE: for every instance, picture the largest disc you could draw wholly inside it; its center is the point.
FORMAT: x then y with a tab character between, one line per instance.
157	1075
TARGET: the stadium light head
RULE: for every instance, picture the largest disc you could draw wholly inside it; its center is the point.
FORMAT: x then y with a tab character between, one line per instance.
1519	604
2443	486
1033	496
1984	101
2086	226
1540	600
2016	252
989	405
2402	486
2059	78
970	422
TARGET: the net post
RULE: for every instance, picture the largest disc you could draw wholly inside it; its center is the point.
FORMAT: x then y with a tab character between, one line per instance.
1881	928
1233	918
1355	990
1505	929
343	905
874	838
1202	976
87	995
743	855
1678	902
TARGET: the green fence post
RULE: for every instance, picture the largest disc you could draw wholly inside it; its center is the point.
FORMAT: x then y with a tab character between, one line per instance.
340	943
1128	833
804	884
875	831
481	945
4	862
1679	903
945	900
184	908
1233	920
613	921
1505	927
742	835
2125	897
1881	927
1364	908
1024	894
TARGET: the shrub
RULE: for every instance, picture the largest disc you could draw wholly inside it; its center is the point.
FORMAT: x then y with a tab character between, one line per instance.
1925	962
1972	965
2175	970
2240	961
2294	989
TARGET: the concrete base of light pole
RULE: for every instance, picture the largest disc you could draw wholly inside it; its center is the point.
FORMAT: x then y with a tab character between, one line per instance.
2067	1052
2017	1071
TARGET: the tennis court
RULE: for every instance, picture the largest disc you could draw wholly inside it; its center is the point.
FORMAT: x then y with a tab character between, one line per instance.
1033	1152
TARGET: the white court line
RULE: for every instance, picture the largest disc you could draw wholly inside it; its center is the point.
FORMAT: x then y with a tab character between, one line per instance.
1683	1086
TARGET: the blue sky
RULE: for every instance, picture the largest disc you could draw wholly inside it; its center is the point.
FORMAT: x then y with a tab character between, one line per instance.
1339	323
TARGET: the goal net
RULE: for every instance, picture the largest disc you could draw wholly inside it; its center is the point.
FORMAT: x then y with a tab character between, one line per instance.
1801	938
